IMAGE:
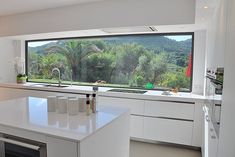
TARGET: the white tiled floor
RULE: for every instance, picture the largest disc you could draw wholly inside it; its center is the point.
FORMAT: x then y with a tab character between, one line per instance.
140	149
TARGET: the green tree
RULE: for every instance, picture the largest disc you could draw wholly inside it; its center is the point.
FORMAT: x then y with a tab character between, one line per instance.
151	67
75	51
50	61
158	67
176	79
128	58
100	66
34	64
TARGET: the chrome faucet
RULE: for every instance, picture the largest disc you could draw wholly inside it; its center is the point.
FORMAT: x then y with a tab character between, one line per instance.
58	70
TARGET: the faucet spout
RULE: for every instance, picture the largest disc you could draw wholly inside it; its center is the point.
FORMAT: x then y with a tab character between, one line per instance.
57	70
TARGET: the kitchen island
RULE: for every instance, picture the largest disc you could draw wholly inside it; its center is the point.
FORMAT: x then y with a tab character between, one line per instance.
180	113
105	133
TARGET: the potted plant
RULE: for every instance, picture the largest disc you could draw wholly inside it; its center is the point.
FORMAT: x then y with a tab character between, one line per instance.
19	64
21	78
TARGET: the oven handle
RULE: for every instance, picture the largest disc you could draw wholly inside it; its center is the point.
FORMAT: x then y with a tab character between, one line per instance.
26	145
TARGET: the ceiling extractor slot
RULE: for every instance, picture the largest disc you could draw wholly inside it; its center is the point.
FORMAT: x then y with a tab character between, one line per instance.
153	29
138	29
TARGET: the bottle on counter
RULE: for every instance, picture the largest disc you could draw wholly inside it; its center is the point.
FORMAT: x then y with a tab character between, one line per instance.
88	106
95	91
93	103
88	97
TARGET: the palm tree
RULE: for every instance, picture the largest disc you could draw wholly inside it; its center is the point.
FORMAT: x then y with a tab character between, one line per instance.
74	51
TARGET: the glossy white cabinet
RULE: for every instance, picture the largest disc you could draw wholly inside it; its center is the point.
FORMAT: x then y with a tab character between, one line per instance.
136	126
198	124
136	106
212	141
61	148
168	130
210	138
136	109
166	121
172	121
179	110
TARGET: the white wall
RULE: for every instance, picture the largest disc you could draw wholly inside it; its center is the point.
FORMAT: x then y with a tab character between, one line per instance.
8	49
199	61
227	131
216	38
104	14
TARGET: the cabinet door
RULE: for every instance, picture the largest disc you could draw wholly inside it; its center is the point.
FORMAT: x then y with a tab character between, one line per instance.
205	133
212	141
167	130
61	148
137	126
169	109
135	106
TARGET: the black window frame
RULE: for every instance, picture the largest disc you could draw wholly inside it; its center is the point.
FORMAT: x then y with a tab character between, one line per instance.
116	35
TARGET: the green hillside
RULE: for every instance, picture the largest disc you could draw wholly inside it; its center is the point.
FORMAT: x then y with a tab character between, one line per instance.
151	42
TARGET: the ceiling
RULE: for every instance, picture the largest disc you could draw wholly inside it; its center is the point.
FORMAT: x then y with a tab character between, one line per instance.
204	11
9	7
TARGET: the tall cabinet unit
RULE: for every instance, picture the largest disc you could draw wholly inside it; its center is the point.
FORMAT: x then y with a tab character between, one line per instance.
212	111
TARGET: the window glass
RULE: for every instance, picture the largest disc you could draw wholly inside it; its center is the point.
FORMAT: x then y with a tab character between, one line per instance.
148	61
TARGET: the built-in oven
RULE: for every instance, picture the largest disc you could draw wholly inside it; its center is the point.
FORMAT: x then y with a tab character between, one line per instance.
11	146
214	90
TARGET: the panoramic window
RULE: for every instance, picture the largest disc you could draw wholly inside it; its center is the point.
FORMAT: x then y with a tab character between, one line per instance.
146	61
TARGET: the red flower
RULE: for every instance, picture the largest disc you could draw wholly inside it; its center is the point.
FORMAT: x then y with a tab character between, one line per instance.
189	68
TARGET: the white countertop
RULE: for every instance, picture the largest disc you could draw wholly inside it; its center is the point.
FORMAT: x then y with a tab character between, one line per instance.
31	114
103	91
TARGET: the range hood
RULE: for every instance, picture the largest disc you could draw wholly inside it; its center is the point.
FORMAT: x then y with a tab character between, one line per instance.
138	29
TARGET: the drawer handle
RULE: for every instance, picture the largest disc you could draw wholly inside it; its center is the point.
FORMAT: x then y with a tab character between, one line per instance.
207	118
213	137
169	118
22	144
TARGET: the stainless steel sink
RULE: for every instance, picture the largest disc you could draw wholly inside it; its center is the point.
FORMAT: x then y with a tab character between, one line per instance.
49	85
127	91
55	85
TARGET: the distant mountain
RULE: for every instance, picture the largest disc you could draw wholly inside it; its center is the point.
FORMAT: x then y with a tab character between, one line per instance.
158	43
41	49
151	42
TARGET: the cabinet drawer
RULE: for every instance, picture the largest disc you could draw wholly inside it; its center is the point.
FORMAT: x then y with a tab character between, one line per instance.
137	126
167	130
169	109
135	106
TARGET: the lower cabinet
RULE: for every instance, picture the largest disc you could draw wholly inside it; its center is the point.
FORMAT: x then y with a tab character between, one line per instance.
136	126
136	109
61	148
210	138
168	130
212	141
161	120
136	106
156	120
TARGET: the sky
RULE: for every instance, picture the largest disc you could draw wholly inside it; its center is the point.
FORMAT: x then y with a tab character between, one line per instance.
39	43
179	38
